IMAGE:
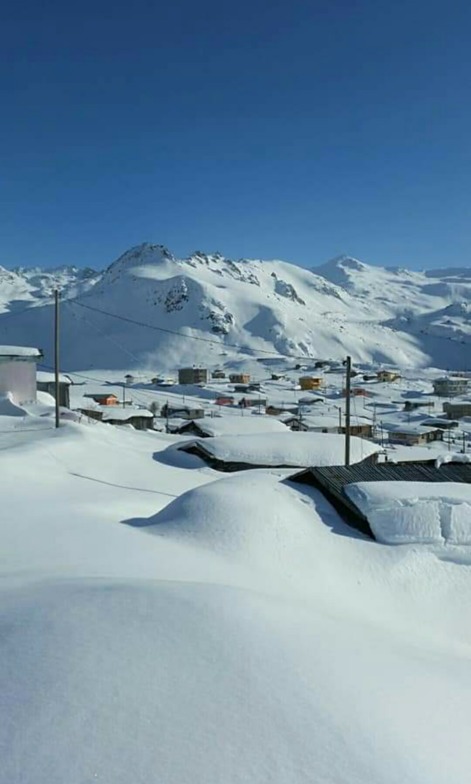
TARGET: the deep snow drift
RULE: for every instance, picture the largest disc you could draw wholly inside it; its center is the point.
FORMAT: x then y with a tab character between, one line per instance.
166	625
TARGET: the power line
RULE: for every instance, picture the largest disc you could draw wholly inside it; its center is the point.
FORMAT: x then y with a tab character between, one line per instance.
247	349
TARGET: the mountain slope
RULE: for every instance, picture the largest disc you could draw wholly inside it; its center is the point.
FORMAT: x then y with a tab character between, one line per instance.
270	308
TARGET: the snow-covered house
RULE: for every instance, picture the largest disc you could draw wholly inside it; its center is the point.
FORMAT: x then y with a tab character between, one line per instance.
18	372
451	386
278	450
46	382
414	435
139	418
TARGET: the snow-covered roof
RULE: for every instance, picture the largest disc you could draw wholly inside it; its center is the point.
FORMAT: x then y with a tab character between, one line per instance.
410	430
45	377
287	449
20	351
405	512
240	425
123	413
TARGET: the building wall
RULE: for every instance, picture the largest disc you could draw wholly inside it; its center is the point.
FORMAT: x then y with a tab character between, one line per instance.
451	387
19	378
310	382
457	410
192	376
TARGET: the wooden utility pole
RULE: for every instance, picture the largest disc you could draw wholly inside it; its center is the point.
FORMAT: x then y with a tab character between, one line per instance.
348	391
56	354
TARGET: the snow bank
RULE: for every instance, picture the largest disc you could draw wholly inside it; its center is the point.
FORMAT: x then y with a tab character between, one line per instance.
407	512
9	408
287	449
232	517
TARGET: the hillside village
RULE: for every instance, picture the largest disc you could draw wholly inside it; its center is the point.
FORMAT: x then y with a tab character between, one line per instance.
209	521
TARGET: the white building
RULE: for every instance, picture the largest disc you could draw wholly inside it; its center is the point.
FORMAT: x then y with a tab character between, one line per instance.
18	372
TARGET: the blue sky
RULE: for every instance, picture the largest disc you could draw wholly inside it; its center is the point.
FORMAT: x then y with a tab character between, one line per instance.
295	130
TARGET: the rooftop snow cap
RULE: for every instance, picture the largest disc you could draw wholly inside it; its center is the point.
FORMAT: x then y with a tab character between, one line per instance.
20	351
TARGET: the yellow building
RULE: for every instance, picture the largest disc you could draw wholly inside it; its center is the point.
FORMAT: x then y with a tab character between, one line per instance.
311	382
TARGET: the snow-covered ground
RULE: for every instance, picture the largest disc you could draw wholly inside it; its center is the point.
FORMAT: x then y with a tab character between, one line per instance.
161	622
164	624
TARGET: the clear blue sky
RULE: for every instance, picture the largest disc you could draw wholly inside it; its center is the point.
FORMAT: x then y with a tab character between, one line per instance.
294	129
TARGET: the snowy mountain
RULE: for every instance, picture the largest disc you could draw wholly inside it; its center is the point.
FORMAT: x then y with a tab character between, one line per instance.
269	308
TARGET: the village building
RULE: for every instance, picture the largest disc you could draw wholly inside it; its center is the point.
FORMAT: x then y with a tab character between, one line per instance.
239	378
213	427
413	405
280	410
193	375
387	375
451	386
218	374
139	418
328	424
443	424
311	382
46	382
334	481
251	402
462	408
277	450
174	411
18	373
414	435
224	400
104	398
356	392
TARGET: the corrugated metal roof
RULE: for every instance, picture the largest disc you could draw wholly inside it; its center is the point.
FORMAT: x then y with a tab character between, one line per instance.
331	480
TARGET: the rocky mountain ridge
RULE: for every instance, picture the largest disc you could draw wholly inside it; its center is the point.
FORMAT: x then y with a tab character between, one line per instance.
151	309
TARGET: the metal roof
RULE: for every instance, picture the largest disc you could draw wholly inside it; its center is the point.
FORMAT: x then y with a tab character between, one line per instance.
331	480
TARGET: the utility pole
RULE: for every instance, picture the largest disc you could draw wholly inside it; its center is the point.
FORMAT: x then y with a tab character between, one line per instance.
56	354
348	391
124	395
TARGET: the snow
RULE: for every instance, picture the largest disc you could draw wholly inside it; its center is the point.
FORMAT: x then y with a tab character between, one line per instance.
240	425
164	624
123	414
46	377
277	309
287	449
161	621
19	351
407	512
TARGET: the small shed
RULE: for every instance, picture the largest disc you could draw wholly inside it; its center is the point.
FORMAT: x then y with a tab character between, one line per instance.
218	374
18	373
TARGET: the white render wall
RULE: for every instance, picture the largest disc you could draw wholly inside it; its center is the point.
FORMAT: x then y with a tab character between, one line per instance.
18	376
